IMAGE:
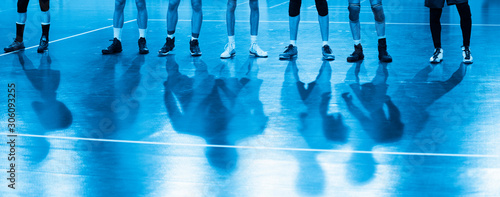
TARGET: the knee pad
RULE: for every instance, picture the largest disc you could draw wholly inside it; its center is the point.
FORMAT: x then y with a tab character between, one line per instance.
378	12
294	8
354	10
44	5
322	7
22	6
141	5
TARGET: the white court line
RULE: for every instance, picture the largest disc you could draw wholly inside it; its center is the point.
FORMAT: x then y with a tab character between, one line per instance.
241	3
258	148
278	5
65	38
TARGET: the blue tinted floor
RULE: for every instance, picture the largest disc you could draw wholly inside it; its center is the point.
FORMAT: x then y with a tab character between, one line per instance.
143	125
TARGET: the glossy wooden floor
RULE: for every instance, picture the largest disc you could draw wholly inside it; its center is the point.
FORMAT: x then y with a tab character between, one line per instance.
143	125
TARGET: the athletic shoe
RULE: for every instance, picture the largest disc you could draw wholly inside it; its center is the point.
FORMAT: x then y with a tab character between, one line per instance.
467	56
357	54
327	53
143	48
229	51
383	55
289	53
16	45
194	47
169	46
44	44
115	47
438	56
256	51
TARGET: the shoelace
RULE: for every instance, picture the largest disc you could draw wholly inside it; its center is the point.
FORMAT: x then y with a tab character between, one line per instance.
327	49
288	48
436	54
467	54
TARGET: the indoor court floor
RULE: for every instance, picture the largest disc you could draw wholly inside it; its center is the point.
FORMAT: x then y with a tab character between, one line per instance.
144	125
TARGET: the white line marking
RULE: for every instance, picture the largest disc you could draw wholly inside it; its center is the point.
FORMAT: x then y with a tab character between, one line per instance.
259	148
278	5
65	38
241	3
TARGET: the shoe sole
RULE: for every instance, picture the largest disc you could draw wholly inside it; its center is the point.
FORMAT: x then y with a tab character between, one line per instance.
232	55
256	55
143	52
329	59
195	54
288	58
468	62
8	51
109	53
436	62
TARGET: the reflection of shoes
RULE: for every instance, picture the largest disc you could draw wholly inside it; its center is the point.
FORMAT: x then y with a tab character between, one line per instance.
167	47
256	51
437	56
44	44
289	53
143	49
347	97
383	55
229	51
194	47
115	47
327	53
16	45
357	54
466	54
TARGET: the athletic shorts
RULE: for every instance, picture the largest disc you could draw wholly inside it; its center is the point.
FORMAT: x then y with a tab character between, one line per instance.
440	3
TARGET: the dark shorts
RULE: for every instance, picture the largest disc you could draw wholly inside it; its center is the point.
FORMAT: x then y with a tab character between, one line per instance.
440	3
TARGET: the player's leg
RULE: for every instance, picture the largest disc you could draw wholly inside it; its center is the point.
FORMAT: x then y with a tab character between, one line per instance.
22	7
324	24
142	22
436	10
118	17
172	18
44	40
466	25
255	50
230	22
378	12
354	10
294	19
196	20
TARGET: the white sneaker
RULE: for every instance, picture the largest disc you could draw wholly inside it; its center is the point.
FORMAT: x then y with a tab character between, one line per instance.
438	56
229	51
467	55
256	51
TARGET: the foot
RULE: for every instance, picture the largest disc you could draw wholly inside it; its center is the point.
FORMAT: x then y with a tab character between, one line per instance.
143	48
169	46
327	53
256	51
383	55
467	55
16	45
44	44
357	54
194	47
437	56
229	51
115	47
289	53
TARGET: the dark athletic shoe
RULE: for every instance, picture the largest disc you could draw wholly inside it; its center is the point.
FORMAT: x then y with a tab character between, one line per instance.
14	46
383	55
357	54
194	47
44	44
327	53
467	56
143	48
289	53
115	47
167	47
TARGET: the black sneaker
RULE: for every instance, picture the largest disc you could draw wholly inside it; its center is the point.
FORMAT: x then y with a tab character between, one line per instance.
383	55
357	54
194	47
44	44
327	53
167	47
289	53
16	45
143	48
115	47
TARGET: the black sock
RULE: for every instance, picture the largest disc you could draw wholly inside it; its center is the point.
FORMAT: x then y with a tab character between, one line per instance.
45	30
435	21
19	32
465	22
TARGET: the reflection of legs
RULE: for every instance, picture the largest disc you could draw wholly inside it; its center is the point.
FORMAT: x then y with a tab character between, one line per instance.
382	75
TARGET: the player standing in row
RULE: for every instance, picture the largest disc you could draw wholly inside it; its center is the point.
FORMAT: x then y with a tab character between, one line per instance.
173	17
378	12
436	9
255	50
118	17
324	23
22	9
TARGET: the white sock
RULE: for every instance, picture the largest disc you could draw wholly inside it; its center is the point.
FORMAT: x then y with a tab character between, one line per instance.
253	39
325	43
381	37
170	36
142	33
231	39
193	38
356	42
293	42
117	32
